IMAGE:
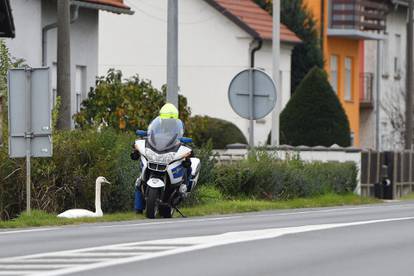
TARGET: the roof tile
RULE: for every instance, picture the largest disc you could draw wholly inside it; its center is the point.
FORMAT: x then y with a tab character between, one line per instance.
255	18
113	3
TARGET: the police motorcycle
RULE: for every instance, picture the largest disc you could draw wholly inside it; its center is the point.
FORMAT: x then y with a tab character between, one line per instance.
168	170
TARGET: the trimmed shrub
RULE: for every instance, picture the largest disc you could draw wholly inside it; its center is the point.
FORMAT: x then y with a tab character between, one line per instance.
314	116
128	104
265	177
220	132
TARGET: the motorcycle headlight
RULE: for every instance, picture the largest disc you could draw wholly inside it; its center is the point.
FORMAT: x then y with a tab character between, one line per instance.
165	158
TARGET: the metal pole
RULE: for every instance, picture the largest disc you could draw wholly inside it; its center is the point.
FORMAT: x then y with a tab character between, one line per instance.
276	55
28	136
63	64
409	80
172	53
378	96
251	109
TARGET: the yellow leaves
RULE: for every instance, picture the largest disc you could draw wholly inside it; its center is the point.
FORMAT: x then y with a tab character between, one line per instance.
122	123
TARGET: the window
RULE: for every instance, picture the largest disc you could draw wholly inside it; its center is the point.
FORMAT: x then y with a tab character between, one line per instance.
80	86
397	57
334	73
348	79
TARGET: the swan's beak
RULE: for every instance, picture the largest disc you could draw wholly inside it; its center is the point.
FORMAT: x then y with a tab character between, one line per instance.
107	182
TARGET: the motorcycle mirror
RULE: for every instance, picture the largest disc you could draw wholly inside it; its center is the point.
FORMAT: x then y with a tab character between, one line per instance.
186	140
141	133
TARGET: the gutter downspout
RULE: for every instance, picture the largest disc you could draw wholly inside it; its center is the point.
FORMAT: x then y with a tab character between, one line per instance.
53	26
253	51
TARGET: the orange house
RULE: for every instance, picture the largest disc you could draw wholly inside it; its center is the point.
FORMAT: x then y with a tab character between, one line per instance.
343	27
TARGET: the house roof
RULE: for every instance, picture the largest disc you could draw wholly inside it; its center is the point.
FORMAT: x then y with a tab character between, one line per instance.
6	20
253	19
116	6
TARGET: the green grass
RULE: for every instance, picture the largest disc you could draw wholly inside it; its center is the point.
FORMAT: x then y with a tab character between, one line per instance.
40	218
408	197
248	205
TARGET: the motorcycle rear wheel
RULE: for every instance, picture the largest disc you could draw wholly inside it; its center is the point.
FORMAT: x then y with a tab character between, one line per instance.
151	210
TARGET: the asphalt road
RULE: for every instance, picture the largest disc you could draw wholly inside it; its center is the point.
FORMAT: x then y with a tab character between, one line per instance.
362	240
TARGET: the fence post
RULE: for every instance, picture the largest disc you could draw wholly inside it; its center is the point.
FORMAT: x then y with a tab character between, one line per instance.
378	167
1	120
402	182
410	172
395	172
368	184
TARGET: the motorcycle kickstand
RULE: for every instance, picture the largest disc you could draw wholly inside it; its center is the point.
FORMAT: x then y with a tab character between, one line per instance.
178	210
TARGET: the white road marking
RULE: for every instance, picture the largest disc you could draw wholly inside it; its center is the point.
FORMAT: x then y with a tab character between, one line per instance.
33	266
102	254
18	272
294	213
175	221
56	260
179	245
29	230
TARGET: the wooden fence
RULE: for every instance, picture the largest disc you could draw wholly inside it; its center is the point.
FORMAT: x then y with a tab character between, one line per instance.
396	167
1	120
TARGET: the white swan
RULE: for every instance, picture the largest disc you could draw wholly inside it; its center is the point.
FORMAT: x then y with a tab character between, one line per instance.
82	213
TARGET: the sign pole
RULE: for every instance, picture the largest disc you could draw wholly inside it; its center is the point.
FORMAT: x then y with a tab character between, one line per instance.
172	53
276	55
28	136
251	109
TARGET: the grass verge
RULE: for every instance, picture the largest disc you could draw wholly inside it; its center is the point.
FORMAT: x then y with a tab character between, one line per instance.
408	197
40	218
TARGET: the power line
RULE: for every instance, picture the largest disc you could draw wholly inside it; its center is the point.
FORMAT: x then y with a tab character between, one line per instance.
134	5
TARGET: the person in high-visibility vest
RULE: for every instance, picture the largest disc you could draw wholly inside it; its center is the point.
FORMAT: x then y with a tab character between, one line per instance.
167	112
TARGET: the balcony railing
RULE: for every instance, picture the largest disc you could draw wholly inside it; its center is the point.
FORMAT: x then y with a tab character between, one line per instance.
360	15
366	91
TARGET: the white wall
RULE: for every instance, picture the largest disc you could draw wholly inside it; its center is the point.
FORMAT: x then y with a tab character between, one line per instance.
27	17
212	50
31	16
84	45
392	84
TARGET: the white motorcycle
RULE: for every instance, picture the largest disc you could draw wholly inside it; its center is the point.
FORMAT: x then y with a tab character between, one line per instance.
167	168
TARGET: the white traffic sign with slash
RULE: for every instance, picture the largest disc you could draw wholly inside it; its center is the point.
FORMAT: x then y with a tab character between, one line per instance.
30	116
252	95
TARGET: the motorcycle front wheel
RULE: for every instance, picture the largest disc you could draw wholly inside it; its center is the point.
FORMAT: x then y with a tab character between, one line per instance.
166	212
153	196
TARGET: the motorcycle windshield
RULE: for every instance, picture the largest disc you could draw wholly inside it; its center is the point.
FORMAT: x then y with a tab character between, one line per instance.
165	133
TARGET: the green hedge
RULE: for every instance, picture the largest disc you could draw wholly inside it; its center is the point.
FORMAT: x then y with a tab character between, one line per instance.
267	178
67	180
220	132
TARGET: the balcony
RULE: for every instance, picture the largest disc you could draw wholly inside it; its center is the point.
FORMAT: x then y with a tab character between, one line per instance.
366	100
358	19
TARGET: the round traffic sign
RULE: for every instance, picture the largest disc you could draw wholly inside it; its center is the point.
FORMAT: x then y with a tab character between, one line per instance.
252	94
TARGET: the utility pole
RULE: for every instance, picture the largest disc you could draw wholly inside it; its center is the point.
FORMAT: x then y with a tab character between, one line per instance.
378	96
409	80
63	64
276	73
172	53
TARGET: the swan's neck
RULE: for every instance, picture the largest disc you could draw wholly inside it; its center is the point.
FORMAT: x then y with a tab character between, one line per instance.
98	209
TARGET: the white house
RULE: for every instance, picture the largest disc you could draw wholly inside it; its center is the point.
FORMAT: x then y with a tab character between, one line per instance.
36	38
392	83
215	40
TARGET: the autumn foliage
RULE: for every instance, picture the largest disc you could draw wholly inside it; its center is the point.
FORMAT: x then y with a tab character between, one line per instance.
124	104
